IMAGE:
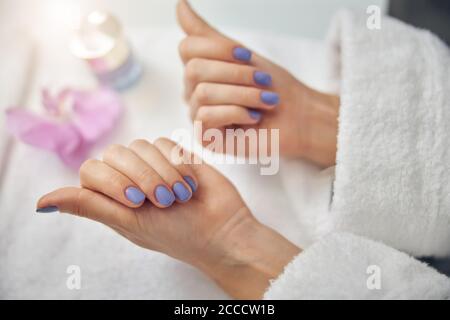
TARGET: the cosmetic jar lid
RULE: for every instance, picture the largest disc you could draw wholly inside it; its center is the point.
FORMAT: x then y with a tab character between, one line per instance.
97	35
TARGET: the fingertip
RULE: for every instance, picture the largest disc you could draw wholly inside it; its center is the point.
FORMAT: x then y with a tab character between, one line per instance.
255	115
191	22
183	4
270	98
49	209
183	9
242	54
41	202
55	200
179	9
191	182
164	197
182	191
46	200
135	196
262	78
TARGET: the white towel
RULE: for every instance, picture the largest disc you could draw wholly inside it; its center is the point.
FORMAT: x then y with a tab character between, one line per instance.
15	65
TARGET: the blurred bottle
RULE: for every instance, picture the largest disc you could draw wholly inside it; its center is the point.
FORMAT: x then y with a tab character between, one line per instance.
100	41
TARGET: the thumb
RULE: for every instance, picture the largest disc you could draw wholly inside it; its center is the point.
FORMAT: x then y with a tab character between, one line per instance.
88	204
191	22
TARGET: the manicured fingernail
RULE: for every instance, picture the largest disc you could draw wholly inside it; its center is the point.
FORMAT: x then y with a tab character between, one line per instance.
270	98
48	209
262	78
191	183
134	195
242	54
181	192
164	196
254	114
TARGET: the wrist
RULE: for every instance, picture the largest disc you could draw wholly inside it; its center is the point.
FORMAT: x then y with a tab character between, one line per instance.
248	257
320	127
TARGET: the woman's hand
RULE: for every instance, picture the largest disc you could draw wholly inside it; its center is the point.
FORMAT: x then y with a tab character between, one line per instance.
227	85
189	212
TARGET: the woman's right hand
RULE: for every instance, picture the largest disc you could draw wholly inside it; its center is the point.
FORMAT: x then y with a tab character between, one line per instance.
228	85
188	211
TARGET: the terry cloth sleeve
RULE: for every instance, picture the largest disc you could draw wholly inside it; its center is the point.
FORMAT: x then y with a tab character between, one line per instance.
392	179
344	266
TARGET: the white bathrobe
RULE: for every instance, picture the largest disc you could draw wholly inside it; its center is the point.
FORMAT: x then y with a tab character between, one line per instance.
389	197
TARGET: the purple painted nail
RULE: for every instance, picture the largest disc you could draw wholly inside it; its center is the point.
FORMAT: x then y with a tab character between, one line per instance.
254	114
49	209
164	196
242	54
262	78
270	98
191	183
181	192
134	195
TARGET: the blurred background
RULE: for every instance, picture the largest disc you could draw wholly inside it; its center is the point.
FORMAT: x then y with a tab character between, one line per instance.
303	18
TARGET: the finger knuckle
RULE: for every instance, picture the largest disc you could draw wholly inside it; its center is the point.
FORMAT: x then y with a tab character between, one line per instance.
161	141
183	47
145	176
113	151
86	168
193	70
201	93
239	73
139	144
170	149
247	95
204	115
116	182
84	197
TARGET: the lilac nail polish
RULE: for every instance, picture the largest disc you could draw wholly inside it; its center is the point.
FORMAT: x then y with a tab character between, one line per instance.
164	196
191	183
270	98
254	114
134	195
262	78
242	54
181	192
49	209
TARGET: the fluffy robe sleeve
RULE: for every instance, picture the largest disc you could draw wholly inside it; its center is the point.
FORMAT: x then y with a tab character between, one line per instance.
392	179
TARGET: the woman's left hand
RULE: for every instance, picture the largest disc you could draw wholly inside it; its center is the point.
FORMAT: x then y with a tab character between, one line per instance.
188	211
